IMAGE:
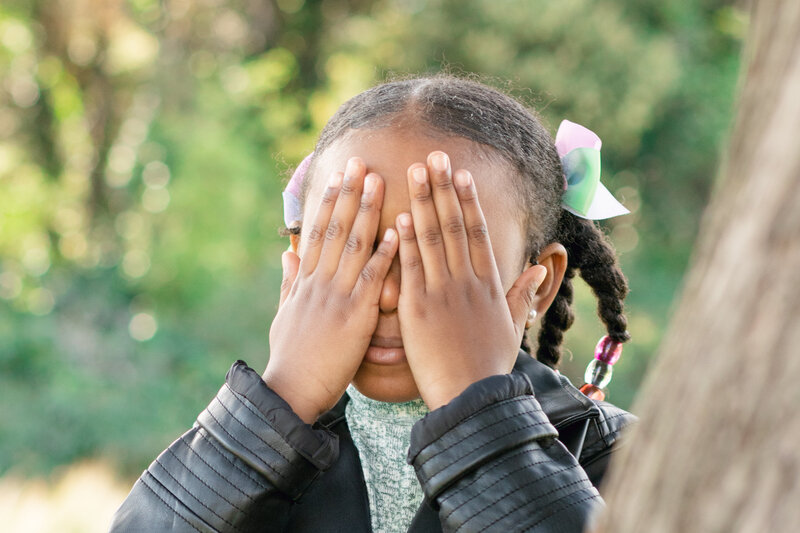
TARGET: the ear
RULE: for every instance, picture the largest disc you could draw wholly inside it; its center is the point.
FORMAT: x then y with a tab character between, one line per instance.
294	240
554	259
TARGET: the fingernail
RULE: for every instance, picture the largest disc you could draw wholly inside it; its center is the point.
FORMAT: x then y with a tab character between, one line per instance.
439	161
389	235
462	179
351	169
540	277
404	220
420	175
284	261
335	181
370	184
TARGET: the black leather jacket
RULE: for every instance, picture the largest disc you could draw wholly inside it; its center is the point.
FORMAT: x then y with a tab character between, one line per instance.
499	457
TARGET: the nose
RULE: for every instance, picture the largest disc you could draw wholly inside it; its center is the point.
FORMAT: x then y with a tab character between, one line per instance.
390	294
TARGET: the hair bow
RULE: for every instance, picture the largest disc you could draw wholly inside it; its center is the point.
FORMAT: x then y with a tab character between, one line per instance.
292	214
584	196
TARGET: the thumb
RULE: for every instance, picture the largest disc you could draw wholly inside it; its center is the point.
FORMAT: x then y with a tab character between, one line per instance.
291	264
520	295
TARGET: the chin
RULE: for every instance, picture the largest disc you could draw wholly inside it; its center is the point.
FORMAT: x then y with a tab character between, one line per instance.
386	384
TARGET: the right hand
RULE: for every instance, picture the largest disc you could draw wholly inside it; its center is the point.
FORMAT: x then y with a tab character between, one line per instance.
329	300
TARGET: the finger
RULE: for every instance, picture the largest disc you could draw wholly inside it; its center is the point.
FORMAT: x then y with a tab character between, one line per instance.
426	225
480	248
342	218
358	247
291	264
520	296
315	237
412	272
370	279
448	211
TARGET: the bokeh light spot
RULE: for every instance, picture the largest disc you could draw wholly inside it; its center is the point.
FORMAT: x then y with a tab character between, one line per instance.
142	327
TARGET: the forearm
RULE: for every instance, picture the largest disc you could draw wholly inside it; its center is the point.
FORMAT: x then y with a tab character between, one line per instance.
490	461
238	469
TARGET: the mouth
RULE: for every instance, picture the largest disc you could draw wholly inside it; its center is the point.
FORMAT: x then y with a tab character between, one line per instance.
385	351
386	342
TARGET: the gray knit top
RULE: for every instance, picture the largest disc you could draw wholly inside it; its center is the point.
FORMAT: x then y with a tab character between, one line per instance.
381	432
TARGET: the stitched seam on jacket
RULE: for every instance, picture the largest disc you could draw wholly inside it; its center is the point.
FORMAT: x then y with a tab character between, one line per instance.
524	485
490	407
256	435
201	480
243	399
193	496
471	433
498	480
223	478
173	509
618	415
562	508
222	452
487	443
521	451
246	448
552	511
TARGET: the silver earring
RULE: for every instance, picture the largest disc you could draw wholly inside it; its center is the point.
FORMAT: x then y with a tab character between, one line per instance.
531	318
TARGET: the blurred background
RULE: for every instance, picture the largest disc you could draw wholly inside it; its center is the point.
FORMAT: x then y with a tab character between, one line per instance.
144	145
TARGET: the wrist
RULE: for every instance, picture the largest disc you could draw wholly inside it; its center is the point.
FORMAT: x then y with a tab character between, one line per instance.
444	392
302	406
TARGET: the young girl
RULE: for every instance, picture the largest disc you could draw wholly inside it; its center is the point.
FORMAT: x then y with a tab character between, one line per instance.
396	397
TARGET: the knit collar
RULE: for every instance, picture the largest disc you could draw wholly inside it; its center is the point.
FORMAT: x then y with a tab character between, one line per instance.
405	413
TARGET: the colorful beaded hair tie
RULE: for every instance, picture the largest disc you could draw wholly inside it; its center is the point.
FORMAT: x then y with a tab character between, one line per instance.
598	373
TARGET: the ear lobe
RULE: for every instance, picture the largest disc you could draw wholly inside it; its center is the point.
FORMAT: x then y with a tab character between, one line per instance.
554	258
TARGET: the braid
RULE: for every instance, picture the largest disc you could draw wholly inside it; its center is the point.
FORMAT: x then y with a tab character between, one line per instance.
558	318
589	252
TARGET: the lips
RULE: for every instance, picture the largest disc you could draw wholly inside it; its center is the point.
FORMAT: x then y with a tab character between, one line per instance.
386	342
385	351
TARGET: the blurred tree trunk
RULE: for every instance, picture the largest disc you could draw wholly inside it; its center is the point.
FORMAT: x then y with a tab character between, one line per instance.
718	448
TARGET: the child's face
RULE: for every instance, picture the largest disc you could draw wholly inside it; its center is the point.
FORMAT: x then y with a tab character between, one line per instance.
389	152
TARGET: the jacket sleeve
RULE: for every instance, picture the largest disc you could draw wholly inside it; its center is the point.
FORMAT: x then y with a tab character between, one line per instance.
490	461
238	469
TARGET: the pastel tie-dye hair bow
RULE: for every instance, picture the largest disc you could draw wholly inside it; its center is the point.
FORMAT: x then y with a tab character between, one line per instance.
585	196
292	213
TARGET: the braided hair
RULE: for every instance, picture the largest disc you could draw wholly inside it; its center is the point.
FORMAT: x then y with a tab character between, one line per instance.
472	110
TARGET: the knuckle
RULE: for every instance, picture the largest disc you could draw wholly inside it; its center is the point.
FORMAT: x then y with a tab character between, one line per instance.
354	244
286	284
315	234
468	198
349	187
334	230
382	252
478	233
365	206
454	226
328	198
368	273
431	236
412	263
408	236
443	182
423	196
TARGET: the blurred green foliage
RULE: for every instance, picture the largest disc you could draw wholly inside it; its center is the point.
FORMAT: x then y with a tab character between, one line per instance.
144	145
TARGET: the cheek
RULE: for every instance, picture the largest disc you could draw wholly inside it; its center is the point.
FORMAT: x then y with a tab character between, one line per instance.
508	247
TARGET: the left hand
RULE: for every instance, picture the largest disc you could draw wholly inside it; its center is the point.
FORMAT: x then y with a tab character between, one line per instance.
457	325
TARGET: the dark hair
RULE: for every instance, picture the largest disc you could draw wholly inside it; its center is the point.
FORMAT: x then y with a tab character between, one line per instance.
486	116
